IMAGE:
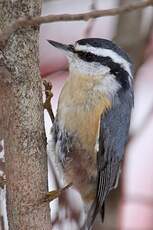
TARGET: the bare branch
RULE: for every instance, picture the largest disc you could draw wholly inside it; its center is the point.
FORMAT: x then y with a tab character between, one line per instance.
91	23
24	22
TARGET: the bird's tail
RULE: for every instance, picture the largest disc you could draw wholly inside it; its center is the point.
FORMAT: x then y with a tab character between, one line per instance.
105	183
102	212
92	214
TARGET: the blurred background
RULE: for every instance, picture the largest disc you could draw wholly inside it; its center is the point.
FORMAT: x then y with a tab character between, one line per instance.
130	206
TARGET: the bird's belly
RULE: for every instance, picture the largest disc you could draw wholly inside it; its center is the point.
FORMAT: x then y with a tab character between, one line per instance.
78	115
80	108
80	165
82	123
81	170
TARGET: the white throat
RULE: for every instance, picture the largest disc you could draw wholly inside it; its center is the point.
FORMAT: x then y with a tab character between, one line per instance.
102	81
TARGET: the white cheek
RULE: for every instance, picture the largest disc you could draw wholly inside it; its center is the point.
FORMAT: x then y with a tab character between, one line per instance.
88	69
106	84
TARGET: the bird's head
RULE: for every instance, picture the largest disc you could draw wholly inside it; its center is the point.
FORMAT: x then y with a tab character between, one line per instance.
99	58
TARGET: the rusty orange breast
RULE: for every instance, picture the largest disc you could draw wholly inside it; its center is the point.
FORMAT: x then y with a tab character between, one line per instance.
80	108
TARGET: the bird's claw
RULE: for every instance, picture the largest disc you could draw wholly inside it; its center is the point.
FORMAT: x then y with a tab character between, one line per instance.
52	195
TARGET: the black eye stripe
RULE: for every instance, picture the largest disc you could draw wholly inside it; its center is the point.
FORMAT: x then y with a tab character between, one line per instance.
116	69
106	44
86	56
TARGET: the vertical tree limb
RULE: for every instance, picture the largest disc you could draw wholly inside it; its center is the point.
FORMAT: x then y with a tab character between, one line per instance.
22	121
129	34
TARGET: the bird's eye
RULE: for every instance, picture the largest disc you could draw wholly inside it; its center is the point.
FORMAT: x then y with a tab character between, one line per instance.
86	56
89	57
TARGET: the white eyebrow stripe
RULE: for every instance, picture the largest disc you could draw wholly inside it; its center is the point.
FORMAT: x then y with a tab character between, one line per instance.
106	53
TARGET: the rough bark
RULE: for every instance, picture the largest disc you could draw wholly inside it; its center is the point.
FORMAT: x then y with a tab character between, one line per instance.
21	121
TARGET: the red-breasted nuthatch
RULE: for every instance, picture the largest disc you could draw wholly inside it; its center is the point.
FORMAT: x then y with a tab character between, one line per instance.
93	116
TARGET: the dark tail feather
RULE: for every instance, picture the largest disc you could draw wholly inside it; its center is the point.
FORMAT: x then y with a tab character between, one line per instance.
90	218
102	213
93	212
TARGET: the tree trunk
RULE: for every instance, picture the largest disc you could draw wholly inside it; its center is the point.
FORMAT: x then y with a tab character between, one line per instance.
22	122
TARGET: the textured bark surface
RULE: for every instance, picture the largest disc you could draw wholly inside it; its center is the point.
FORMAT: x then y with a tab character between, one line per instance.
21	121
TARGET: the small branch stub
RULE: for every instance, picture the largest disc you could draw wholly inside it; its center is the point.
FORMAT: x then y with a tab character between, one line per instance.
47	103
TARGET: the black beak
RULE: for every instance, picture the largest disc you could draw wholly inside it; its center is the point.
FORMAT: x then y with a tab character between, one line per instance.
62	46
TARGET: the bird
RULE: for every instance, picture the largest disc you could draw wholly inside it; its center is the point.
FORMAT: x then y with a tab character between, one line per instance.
92	122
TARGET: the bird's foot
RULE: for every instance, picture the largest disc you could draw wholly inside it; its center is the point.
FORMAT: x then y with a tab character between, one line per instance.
50	196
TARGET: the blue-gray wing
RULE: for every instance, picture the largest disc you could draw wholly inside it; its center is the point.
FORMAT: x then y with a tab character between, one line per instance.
113	136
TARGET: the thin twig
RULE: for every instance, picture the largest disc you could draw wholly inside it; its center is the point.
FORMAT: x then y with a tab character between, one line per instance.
91	23
24	22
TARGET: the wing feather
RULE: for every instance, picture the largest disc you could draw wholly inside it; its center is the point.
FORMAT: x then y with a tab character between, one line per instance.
114	127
